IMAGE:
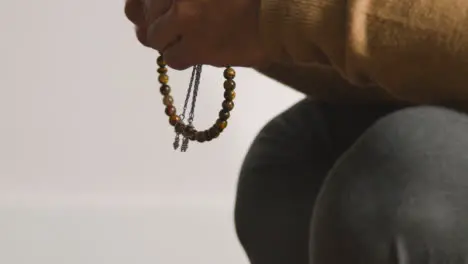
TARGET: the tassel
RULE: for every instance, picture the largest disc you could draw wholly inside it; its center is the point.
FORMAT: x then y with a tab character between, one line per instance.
176	141
185	143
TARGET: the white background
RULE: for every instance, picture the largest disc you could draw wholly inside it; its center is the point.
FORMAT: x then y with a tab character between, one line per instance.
87	174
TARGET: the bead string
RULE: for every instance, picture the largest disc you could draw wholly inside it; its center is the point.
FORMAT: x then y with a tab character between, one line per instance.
189	92
184	111
185	142
187	130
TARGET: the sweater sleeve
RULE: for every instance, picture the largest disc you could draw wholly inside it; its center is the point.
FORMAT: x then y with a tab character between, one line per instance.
417	50
323	83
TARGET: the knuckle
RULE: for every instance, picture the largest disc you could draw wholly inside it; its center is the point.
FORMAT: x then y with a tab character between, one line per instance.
185	12
180	66
141	35
177	64
134	11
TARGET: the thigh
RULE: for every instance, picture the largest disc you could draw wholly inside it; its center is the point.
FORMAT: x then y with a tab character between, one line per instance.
283	172
398	195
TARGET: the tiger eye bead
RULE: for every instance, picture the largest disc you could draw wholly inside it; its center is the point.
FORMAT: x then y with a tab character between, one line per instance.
224	115
228	105
162	70
170	110
208	136
214	132
229	95
163	78
174	119
229	85
229	73
165	89
221	124
161	62
200	136
168	100
188	131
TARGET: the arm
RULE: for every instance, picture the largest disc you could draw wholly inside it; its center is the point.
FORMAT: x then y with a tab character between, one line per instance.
417	50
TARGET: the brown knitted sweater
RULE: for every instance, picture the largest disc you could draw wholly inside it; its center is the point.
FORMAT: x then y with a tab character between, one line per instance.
369	50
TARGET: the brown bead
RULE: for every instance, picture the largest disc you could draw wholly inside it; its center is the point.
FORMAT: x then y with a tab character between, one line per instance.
165	89
179	128
168	100
229	73
161	62
162	70
221	124
170	110
214	132
163	78
229	95
208	136
229	85
200	136
173	120
224	115
228	105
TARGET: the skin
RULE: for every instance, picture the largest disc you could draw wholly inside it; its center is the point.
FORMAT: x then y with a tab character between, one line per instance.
190	32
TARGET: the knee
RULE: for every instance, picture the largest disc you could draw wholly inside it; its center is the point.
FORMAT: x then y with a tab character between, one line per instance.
403	180
414	141
271	213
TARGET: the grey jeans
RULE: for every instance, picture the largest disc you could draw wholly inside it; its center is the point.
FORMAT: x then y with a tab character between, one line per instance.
329	184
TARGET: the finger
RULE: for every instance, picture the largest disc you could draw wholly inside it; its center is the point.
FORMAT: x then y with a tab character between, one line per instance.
189	51
184	55
178	56
135	11
193	50
141	33
164	32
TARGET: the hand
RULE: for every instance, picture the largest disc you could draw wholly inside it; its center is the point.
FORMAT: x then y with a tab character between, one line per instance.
190	32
